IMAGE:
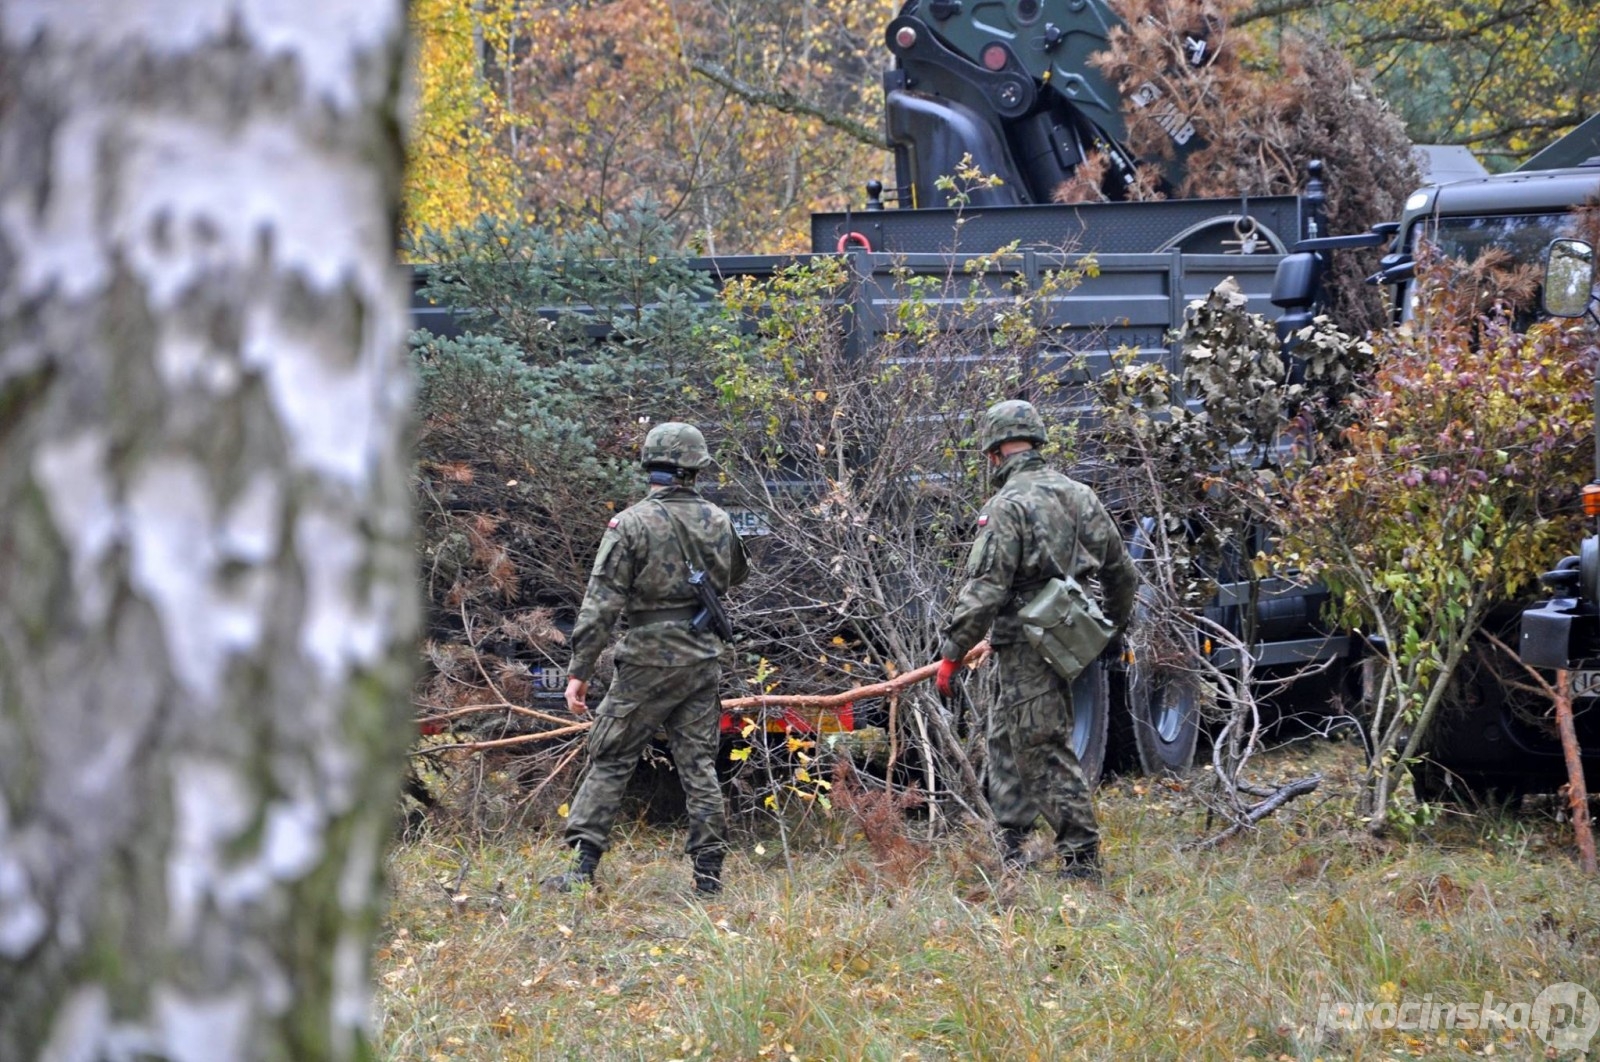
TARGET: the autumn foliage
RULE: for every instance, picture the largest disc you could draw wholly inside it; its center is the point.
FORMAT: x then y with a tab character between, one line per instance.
590	106
1455	487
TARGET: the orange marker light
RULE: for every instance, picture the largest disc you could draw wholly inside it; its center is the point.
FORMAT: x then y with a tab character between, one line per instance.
1591	500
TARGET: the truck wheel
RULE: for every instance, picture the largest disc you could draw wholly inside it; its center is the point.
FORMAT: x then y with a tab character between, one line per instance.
1091	710
1165	707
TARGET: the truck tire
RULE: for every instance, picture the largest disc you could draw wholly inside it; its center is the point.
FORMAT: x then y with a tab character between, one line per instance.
1091	711
1165	710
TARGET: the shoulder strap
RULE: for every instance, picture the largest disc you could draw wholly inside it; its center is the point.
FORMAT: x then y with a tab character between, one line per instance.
1077	540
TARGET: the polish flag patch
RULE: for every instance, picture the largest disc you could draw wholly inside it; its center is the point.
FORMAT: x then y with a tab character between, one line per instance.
611	523
983	520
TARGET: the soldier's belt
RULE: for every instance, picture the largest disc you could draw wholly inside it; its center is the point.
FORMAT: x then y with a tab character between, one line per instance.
660	615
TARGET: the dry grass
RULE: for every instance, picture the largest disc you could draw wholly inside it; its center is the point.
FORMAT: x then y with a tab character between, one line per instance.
869	954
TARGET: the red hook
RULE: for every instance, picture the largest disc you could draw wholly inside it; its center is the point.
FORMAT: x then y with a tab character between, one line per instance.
854	237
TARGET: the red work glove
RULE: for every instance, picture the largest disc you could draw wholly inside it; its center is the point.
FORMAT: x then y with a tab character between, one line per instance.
947	670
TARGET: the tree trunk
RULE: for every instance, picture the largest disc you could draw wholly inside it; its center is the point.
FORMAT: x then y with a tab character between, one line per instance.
206	593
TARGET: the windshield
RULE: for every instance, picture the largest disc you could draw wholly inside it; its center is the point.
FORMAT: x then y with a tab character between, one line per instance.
1525	236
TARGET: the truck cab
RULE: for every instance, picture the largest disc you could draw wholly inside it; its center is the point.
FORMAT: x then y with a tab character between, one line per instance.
1520	213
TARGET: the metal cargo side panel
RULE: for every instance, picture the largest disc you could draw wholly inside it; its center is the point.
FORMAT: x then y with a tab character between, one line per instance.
1200	226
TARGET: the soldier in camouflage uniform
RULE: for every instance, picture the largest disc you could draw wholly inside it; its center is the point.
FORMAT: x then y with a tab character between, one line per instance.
1039	525
667	672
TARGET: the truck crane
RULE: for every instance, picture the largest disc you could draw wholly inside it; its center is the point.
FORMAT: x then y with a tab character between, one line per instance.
1012	86
1010	89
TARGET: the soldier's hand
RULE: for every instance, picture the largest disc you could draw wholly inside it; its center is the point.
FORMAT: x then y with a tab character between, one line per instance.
947	670
577	696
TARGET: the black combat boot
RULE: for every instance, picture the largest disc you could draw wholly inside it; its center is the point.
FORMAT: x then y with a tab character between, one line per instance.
1012	858
1081	864
580	873
708	872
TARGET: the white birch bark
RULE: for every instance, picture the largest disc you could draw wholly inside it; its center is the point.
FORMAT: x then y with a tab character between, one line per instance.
206	593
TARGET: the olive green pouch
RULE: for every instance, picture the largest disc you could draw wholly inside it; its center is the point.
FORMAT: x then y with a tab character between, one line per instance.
1066	626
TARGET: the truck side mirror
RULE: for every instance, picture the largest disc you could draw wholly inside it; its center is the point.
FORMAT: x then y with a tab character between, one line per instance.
1568	278
1294	285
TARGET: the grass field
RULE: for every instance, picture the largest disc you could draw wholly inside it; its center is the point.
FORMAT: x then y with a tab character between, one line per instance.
1289	943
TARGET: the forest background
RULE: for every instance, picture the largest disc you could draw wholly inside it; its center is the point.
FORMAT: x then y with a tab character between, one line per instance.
742	117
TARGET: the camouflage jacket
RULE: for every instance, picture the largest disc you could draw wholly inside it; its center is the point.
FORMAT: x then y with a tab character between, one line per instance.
640	569
1026	537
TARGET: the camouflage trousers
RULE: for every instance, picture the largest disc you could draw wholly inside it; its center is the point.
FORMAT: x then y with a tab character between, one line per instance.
641	701
1032	768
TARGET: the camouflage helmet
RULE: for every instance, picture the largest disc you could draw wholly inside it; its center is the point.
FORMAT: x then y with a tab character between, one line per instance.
1013	419
674	445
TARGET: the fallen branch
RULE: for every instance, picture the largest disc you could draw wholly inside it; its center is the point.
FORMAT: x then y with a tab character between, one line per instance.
553	773
520	739
502	706
979	653
1285	793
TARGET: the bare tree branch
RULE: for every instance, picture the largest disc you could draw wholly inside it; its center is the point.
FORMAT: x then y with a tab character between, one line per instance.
788	103
1297	788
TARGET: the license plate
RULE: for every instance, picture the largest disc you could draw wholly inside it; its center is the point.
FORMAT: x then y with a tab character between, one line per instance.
749	523
1585	683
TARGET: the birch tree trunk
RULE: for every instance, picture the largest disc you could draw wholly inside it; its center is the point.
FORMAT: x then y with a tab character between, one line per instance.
206	593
